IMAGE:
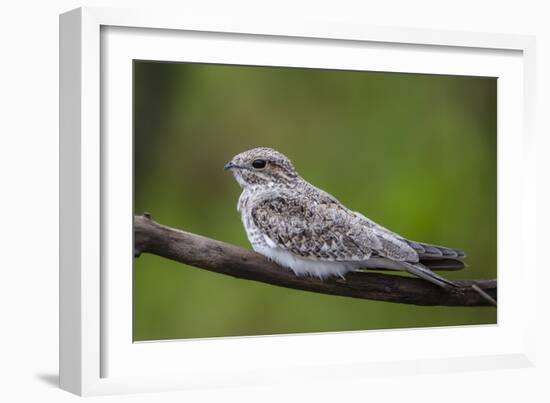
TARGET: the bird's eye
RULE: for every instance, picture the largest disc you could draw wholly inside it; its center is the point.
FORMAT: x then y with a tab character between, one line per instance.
258	164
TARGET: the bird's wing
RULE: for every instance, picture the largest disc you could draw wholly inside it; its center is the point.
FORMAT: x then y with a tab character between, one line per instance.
323	229
435	252
425	251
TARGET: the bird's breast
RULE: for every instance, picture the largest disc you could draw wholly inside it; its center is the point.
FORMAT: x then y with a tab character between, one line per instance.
244	206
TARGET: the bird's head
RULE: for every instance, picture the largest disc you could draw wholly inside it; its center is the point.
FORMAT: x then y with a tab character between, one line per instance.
262	166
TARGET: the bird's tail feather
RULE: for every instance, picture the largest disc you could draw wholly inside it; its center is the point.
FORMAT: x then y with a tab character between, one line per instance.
444	264
425	273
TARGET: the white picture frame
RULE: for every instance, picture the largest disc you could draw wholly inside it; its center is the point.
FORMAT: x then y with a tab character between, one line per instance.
96	354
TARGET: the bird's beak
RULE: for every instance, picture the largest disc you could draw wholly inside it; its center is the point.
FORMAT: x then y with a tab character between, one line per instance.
228	166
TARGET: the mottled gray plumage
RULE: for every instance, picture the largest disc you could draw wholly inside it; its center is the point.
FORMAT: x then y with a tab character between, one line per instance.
308	230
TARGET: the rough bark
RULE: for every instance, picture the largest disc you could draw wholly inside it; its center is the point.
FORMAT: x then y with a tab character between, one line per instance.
220	257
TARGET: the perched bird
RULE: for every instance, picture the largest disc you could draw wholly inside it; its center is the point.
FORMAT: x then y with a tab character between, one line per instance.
301	227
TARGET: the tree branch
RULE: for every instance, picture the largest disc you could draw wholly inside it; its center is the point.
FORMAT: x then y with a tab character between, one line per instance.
220	257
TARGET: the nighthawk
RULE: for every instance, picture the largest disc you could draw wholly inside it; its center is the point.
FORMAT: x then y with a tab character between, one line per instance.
303	228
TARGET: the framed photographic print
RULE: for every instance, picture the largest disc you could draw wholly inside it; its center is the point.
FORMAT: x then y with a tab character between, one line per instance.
244	201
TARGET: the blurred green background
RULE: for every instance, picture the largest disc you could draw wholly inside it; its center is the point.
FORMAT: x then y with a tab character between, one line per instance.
416	153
